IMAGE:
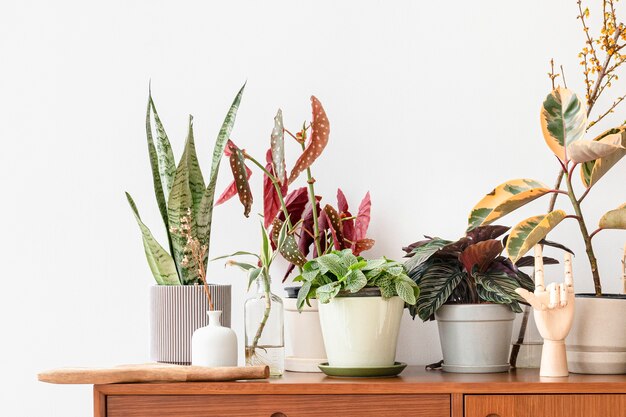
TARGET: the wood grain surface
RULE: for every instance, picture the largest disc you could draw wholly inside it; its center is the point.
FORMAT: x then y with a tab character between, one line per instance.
279	405
577	405
151	373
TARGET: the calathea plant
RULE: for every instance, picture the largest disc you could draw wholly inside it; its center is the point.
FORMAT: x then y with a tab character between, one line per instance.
311	228
185	201
329	275
467	271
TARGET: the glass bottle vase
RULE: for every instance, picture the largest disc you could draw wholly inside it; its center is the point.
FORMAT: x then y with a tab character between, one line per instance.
264	332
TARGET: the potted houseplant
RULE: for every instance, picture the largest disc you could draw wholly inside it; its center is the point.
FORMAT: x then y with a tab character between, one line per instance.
178	302
469	287
597	340
313	228
361	305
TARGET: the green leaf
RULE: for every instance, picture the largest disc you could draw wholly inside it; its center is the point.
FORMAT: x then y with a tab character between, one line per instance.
178	206
266	248
327	292
374	264
196	181
563	120
614	219
165	156
592	171
238	253
386	284
254	274
504	199
154	165
244	266
405	291
529	232
436	283
331	262
205	211
498	287
278	148
303	295
422	253
355	281
160	262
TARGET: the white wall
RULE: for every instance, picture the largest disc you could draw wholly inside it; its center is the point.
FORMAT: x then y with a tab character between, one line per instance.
431	104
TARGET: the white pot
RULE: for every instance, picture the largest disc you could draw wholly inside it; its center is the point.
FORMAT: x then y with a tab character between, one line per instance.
361	331
475	338
305	342
176	311
597	341
214	345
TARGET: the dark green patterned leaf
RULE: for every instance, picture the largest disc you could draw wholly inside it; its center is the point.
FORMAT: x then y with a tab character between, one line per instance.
436	283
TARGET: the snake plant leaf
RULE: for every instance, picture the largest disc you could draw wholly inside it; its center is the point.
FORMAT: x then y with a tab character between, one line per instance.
204	216
529	232
499	288
238	167
614	219
161	263
590	150
320	131
154	165
563	120
504	199
277	142
422	253
592	171
180	203
436	285
165	156
196	180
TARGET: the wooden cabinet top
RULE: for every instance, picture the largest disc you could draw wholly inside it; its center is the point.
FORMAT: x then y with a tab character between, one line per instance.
414	380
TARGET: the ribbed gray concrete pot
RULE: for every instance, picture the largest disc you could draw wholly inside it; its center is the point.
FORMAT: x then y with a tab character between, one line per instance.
596	344
475	338
176	311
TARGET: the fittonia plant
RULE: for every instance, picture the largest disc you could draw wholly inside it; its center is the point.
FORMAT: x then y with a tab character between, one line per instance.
181	192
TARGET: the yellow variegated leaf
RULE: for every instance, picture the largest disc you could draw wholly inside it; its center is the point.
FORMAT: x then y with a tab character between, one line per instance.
592	171
563	120
614	219
504	199
529	232
589	150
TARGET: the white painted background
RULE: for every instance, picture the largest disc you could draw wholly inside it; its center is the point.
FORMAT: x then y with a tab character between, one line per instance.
431	105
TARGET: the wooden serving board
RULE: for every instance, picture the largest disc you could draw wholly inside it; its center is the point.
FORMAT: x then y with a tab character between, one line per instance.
151	373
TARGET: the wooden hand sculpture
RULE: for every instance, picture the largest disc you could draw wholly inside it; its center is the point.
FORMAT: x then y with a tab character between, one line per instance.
554	313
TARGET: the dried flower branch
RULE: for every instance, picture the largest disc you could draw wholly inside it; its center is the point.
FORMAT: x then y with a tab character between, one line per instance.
194	252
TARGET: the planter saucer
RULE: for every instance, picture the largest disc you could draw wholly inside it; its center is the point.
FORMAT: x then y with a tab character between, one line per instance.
362	372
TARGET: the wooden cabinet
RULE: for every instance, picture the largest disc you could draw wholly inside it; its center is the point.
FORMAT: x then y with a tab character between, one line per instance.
416	393
279	405
569	405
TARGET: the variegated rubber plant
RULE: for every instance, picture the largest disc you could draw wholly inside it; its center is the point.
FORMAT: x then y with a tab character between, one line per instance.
564	122
183	198
311	229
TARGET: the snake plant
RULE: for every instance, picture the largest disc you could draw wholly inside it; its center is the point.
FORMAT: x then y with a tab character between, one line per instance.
181	192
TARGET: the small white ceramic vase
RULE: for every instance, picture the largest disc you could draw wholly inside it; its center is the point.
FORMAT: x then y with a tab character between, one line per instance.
214	345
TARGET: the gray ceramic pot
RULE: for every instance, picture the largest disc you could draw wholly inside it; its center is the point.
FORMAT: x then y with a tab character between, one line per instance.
176	311
475	338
